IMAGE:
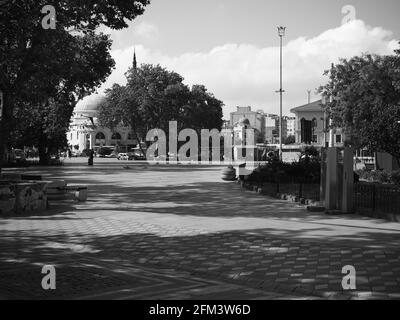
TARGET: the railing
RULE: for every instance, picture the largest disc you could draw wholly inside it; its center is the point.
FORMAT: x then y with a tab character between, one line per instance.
377	198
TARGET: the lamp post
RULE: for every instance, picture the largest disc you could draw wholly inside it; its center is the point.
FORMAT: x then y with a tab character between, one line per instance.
281	34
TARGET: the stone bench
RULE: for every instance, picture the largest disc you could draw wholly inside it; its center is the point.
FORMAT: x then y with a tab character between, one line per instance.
22	196
59	190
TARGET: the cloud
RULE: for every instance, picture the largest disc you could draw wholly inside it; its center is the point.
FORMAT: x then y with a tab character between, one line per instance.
146	30
244	74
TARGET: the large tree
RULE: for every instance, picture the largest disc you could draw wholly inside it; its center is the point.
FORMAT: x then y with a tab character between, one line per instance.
366	101
38	64
154	96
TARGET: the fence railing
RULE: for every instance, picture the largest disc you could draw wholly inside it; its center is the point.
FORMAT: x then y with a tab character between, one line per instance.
369	198
377	198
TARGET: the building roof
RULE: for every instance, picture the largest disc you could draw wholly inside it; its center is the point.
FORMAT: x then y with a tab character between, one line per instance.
310	107
89	104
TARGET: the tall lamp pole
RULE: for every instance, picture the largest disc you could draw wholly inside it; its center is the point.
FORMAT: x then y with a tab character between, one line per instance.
281	33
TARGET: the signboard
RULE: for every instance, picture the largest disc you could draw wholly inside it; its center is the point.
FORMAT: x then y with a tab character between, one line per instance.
1	104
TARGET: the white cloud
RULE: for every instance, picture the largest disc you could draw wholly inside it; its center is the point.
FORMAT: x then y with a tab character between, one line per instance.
243	74
146	30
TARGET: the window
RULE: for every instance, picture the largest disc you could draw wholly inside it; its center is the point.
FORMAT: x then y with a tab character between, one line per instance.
100	136
116	136
130	136
315	138
338	138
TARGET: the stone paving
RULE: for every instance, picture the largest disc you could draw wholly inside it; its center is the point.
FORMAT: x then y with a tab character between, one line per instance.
179	232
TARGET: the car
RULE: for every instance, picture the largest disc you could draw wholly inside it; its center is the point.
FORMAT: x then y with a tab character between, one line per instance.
112	155
137	154
122	156
19	155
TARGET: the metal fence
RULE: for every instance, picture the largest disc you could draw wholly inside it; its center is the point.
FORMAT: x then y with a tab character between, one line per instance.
377	198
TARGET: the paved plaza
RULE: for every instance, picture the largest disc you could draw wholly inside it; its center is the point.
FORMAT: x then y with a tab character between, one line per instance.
180	232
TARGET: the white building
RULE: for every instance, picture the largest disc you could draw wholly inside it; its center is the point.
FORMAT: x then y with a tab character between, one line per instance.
311	126
291	126
85	132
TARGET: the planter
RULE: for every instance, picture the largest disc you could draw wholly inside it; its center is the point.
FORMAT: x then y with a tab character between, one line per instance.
228	174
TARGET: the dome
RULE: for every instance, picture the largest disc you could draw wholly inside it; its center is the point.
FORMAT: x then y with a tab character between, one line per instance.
89	104
244	121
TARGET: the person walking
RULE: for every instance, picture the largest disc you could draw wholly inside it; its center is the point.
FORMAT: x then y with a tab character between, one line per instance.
91	156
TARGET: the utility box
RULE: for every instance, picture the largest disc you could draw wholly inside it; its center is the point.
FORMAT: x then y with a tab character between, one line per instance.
339	180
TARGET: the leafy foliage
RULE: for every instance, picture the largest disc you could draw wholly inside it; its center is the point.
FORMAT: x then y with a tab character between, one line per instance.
366	101
40	67
154	96
306	170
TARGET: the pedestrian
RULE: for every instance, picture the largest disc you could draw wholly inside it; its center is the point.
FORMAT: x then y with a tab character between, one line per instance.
91	156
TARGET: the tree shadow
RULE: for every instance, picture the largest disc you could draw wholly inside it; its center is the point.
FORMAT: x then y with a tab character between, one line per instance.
90	264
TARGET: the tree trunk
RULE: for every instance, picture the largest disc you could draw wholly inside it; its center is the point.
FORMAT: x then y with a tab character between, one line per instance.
138	139
44	158
5	127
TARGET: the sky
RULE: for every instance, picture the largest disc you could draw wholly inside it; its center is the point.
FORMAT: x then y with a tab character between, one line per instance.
232	46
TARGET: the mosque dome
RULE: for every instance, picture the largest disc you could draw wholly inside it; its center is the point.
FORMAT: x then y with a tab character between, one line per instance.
89	104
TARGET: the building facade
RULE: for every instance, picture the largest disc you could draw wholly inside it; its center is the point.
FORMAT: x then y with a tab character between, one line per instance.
312	126
255	118
86	133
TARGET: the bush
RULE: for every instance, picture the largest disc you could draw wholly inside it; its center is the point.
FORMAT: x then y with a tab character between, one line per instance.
375	176
395	177
297	172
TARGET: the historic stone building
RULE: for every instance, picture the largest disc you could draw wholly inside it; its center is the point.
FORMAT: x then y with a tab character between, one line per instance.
86	133
311	126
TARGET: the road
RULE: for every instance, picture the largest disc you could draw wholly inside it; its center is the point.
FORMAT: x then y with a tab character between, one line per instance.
180	232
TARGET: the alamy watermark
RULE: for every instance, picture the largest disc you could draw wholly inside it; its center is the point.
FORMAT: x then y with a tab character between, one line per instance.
49	20
238	145
49	280
349	280
350	14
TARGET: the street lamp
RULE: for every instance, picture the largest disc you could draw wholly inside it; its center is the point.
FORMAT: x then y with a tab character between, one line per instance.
281	34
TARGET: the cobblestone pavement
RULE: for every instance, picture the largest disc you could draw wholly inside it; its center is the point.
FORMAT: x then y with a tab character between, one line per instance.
179	232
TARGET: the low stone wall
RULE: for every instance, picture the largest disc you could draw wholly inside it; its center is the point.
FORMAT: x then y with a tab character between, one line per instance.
309	194
22	196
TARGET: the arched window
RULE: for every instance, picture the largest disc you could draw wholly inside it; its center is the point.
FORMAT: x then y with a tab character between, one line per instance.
116	136
100	136
314	125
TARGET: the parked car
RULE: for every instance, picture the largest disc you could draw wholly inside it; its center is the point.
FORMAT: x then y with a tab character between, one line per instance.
75	153
19	155
137	154
112	155
122	156
104	152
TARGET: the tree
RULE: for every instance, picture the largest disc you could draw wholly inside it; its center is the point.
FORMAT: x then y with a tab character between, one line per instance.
37	64
154	96
366	101
44	126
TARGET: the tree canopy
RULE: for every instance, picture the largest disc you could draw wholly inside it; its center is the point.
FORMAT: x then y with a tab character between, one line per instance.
366	101
40	66
154	96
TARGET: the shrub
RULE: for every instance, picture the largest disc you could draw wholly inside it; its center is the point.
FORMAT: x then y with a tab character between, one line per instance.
395	177
375	176
297	172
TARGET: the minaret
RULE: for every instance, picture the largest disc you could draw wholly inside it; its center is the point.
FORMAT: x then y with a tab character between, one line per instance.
134	60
